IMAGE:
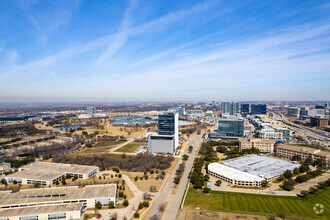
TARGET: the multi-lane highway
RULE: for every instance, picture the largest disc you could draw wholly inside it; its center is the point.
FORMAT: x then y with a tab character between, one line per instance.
316	136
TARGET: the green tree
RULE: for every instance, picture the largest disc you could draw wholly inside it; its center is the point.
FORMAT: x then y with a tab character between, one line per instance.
4	182
140	205
264	183
288	174
145	203
296	170
177	180
218	182
125	202
98	205
185	157
206	190
136	215
111	205
304	193
190	148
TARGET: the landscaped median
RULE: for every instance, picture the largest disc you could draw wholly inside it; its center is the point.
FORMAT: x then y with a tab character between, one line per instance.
260	204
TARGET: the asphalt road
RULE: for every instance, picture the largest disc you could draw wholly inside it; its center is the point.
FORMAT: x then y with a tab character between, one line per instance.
165	196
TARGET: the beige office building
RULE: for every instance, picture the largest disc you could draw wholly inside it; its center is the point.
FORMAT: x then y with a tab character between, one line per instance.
265	146
47	174
288	151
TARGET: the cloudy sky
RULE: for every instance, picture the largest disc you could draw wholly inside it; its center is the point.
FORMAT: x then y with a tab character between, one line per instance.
158	50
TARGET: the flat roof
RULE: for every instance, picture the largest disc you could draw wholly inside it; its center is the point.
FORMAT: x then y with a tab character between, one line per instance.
232	173
304	149
261	166
27	196
259	140
40	210
49	171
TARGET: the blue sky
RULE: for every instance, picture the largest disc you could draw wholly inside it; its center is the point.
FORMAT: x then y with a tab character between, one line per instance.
164	50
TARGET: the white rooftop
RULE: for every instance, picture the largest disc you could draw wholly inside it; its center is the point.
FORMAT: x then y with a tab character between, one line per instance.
232	172
260	165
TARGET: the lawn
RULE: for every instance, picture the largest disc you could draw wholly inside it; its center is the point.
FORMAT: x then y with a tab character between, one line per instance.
100	147
131	147
259	204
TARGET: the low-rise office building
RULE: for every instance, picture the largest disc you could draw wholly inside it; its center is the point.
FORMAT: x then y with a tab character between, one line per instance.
4	167
250	170
265	146
47	174
288	151
270	133
54	203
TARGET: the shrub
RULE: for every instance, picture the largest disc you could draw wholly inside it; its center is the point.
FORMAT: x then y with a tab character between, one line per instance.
111	205
125	202
140	205
98	205
136	215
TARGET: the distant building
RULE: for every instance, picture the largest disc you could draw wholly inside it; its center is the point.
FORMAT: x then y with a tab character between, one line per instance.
209	114
288	151
167	138
245	108
234	108
258	109
319	121
286	133
316	112
4	167
225	107
180	110
229	128
265	146
294	112
270	133
47	174
196	112
90	111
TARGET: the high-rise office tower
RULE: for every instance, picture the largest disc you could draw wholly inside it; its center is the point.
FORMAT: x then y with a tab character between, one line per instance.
234	108
225	107
167	138
245	108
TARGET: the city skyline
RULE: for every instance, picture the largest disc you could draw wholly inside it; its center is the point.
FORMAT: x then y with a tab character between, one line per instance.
58	51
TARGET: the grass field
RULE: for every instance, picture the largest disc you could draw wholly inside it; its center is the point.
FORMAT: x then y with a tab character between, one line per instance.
260	204
100	147
131	147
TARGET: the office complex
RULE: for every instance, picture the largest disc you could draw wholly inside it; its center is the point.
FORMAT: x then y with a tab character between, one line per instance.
225	107
265	146
319	121
90	111
231	108
258	109
195	112
286	133
270	133
180	110
229	128
234	108
167	138
288	151
47	174
245	108
55	202
294	112
250	170
4	167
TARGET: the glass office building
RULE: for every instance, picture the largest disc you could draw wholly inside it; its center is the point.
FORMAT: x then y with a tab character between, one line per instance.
258	109
245	108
